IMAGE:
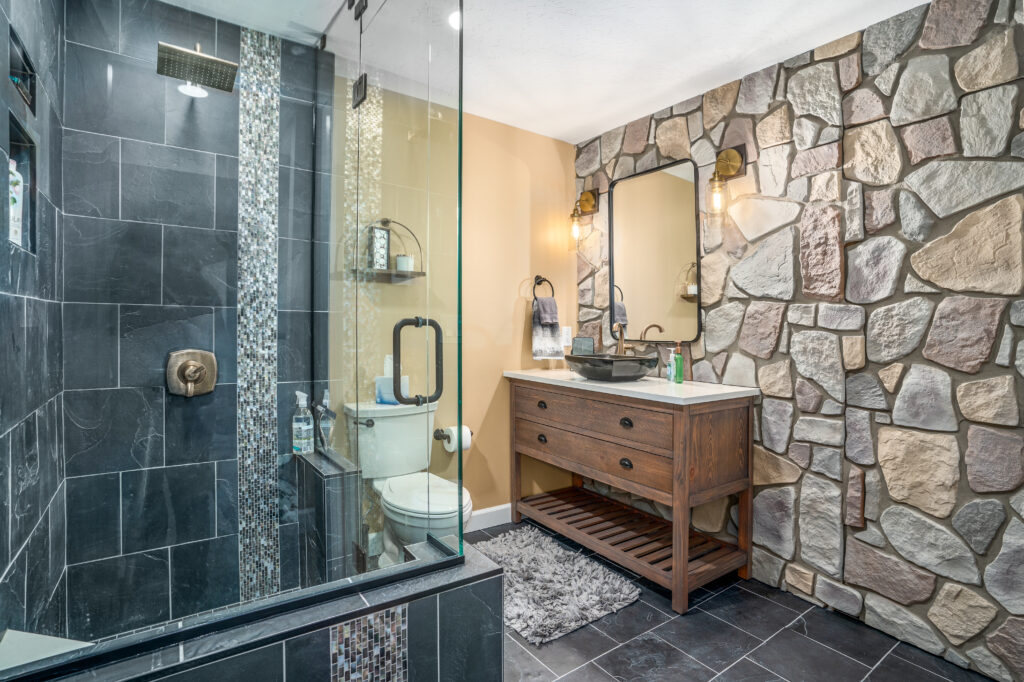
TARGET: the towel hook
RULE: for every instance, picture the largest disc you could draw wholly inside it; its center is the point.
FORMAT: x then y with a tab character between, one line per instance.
538	280
619	289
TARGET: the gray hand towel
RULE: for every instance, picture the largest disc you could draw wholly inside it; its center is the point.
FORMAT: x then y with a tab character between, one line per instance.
547	344
620	313
548	309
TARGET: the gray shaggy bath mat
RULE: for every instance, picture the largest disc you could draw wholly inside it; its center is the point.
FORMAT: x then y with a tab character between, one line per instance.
551	591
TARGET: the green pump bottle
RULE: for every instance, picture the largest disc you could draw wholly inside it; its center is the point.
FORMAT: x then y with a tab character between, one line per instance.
678	363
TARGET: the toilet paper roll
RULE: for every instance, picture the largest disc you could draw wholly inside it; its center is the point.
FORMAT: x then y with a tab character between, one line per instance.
453	438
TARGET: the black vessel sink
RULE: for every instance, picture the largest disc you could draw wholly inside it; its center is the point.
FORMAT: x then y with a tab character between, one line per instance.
612	367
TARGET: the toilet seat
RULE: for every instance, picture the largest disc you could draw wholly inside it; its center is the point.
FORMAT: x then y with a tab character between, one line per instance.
424	495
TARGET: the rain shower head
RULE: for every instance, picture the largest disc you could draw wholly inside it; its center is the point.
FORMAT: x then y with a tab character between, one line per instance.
194	67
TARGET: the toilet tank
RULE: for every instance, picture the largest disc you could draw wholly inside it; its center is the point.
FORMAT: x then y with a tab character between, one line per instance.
398	443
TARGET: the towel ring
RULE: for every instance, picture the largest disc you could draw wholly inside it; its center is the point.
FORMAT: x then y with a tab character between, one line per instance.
619	289
538	280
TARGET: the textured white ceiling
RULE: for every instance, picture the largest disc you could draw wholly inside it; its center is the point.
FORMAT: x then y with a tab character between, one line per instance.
303	21
571	69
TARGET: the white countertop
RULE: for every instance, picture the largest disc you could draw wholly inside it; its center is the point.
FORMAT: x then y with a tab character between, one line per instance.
648	388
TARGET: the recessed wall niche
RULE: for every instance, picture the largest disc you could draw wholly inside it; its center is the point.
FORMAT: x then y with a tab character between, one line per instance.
23	74
21	227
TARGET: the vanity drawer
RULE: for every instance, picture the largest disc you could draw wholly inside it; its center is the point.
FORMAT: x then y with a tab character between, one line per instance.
596	458
622	421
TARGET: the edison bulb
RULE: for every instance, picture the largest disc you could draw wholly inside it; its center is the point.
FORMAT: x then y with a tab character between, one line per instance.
716	200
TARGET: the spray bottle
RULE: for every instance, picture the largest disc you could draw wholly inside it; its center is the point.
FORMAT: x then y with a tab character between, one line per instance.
302	426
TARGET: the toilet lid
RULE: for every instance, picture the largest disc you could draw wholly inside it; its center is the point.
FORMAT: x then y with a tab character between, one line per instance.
423	493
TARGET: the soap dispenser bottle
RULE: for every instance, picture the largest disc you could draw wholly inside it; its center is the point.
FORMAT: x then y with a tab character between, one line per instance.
677	362
302	426
325	419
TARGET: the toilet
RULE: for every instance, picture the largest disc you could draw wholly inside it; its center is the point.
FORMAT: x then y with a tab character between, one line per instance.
395	453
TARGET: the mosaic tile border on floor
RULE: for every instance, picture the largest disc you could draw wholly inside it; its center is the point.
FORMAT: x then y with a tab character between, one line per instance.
258	151
372	647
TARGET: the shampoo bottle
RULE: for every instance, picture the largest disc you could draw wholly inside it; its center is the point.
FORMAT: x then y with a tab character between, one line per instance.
677	361
17	188
302	426
670	368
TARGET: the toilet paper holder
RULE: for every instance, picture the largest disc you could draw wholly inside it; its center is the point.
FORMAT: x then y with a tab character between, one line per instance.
442	435
439	434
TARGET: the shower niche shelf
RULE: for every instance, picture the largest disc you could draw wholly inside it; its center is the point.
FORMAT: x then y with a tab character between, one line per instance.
21	188
22	73
386	276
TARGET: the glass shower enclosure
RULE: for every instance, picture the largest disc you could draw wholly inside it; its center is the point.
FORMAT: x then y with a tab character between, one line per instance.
302	232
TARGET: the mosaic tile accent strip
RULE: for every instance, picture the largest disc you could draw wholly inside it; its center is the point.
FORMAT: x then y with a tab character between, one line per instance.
373	647
259	563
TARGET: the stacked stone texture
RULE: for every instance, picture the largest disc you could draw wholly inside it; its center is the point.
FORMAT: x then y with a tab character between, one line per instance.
868	276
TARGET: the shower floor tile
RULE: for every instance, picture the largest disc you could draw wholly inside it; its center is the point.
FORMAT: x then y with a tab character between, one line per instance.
735	630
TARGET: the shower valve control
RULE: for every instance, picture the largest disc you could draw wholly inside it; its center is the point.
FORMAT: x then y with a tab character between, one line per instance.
191	372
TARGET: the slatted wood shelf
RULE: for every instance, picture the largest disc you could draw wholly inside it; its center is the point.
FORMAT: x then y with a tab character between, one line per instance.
630	537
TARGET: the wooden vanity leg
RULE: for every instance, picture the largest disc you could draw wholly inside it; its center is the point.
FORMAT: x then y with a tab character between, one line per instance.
680	519
746	520
516	487
515	480
745	527
680	558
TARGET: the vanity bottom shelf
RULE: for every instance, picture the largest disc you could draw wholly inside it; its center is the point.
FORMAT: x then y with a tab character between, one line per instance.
631	538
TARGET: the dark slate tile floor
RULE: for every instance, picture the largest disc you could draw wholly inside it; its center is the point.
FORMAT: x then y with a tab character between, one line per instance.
735	631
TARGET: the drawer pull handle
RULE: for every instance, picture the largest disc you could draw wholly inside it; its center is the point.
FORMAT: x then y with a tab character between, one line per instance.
542	405
625	463
626	423
542	438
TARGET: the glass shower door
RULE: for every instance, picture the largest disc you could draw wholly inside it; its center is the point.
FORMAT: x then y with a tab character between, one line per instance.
396	268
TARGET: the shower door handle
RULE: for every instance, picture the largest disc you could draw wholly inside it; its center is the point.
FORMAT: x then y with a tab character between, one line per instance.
396	353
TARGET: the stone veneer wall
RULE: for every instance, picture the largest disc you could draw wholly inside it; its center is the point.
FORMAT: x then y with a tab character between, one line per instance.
866	277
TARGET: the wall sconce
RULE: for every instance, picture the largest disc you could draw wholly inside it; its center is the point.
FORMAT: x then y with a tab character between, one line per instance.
585	205
730	163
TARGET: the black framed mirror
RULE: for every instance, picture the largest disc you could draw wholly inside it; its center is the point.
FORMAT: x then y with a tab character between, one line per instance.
654	254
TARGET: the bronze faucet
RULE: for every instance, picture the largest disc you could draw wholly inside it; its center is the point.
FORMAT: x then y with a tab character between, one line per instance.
621	347
643	334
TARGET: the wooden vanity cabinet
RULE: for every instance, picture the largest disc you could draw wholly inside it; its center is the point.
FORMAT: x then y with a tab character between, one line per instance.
678	455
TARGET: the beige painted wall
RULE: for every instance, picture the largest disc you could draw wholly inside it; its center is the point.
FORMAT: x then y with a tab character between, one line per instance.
518	192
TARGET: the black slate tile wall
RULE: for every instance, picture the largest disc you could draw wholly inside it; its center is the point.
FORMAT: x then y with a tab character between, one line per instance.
118	503
329	517
111	261
162	184
301	314
423	634
32	483
204	575
470	632
150	190
452	636
121	593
